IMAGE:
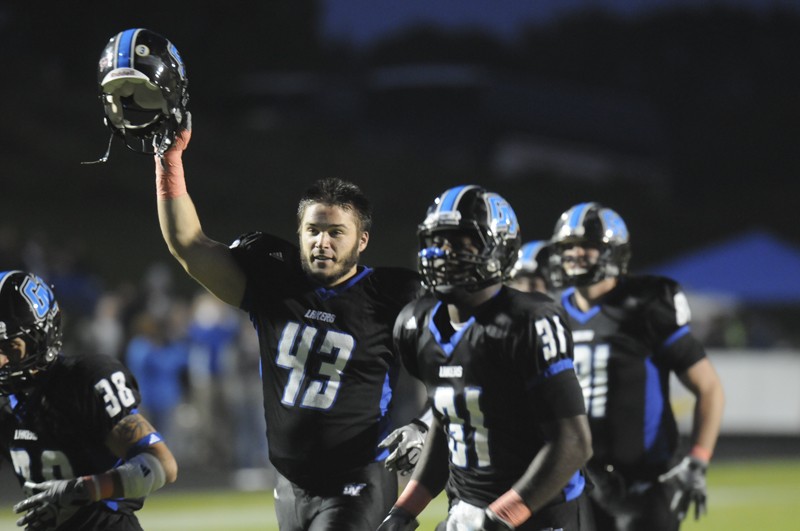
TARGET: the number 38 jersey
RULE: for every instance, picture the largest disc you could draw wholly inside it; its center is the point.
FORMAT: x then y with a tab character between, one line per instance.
492	384
625	349
58	430
328	366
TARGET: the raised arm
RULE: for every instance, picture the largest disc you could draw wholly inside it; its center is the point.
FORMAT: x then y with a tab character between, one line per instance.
208	261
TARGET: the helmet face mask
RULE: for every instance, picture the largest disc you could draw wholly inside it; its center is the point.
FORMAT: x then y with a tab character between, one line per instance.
29	311
468	240
143	88
590	226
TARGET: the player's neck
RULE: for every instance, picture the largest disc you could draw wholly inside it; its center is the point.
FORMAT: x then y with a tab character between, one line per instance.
461	311
587	297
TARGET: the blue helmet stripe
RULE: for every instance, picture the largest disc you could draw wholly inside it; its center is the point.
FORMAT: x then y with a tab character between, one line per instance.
530	250
450	198
576	218
125	48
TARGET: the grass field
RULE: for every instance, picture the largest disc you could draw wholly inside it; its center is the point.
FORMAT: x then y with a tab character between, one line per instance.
742	496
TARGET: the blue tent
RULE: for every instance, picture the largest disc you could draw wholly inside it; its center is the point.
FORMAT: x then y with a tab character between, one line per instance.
755	268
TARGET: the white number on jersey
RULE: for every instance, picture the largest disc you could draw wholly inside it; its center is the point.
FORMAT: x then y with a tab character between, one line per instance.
682	312
554	341
459	427
294	347
591	367
115	397
55	464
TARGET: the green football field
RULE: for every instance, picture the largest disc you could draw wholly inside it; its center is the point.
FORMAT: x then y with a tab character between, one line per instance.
742	496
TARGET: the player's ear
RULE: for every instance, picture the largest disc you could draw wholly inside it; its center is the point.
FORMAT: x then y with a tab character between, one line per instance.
363	241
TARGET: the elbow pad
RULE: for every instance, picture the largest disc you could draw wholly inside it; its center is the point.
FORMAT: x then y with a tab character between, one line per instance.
141	475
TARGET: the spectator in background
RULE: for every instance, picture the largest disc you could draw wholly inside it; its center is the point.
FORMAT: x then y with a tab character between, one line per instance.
158	355
630	333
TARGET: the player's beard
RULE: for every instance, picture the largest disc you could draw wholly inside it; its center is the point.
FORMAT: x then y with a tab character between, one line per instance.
331	276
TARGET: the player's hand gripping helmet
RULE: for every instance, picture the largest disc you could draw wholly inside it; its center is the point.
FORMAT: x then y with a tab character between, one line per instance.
491	223
143	84
592	225
28	309
533	260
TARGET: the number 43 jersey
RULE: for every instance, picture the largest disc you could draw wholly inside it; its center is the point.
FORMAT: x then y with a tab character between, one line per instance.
59	429
492	384
625	349
327	361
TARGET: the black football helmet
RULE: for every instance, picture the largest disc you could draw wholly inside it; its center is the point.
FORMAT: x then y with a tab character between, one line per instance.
143	87
28	309
592	224
533	260
490	222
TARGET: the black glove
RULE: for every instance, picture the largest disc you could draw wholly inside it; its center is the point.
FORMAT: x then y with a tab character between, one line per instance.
398	519
492	522
687	483
53	504
406	443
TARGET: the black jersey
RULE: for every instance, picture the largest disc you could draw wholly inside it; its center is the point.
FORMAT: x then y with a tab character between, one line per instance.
328	367
58	431
625	349
492	384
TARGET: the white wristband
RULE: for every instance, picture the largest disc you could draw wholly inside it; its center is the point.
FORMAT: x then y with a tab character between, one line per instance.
141	475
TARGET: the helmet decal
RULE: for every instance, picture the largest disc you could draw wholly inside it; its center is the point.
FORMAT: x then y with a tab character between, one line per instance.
502	216
38	296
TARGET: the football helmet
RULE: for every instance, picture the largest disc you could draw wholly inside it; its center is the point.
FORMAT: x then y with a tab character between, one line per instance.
28	309
491	224
592	225
143	87
533	260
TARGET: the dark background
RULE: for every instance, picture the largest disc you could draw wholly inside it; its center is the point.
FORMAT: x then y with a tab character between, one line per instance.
683	119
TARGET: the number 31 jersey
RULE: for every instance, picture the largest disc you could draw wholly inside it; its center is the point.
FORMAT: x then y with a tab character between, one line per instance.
328	367
625	349
492	385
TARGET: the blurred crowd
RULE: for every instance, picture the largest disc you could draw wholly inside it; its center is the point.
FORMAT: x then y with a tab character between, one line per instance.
195	358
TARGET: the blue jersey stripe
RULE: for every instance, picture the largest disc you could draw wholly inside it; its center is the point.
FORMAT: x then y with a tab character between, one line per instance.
454	339
575	487
676	335
653	404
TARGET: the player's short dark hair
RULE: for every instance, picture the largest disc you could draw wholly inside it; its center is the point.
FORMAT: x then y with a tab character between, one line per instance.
337	192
